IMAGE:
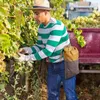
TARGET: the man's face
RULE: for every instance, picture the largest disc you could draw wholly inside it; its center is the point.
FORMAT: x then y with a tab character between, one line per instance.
39	16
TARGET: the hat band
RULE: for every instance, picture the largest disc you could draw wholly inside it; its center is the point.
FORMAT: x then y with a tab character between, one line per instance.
40	7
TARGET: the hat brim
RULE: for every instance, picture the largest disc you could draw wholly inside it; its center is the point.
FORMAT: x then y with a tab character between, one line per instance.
39	8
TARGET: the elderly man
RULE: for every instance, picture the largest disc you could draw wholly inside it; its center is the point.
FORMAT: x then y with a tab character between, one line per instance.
52	38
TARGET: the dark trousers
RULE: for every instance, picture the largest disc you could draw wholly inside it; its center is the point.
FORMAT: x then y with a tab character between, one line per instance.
56	76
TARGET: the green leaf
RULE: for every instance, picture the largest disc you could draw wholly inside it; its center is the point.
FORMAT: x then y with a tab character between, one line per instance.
82	43
7	24
4	37
1	25
2	86
19	17
4	12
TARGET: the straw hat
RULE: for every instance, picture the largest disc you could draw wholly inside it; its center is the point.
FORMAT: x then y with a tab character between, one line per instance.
41	4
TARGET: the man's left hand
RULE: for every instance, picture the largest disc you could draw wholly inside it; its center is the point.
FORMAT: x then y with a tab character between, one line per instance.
26	57
22	57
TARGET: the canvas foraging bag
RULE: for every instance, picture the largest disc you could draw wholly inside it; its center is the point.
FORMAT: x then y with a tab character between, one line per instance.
71	57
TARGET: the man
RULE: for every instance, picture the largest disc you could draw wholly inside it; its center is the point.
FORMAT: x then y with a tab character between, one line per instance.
52	38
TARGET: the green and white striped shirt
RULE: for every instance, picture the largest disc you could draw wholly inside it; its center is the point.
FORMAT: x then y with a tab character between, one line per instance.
52	38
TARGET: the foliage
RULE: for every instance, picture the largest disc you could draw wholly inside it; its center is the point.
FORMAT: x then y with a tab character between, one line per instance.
91	21
16	23
17	28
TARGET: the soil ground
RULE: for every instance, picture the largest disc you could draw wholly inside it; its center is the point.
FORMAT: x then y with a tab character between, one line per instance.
87	87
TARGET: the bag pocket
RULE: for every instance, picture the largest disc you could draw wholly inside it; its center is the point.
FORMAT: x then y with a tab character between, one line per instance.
71	68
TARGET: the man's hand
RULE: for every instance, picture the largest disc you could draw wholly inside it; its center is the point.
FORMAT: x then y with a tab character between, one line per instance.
23	57
22	51
25	50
